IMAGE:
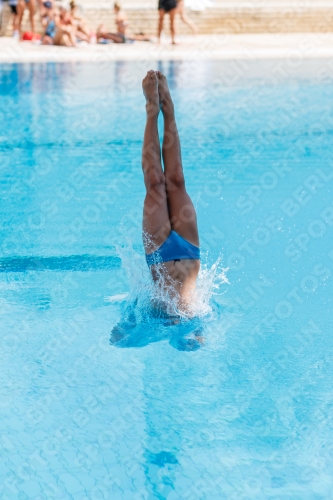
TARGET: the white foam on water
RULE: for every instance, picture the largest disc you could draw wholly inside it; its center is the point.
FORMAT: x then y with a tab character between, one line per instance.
148	298
116	299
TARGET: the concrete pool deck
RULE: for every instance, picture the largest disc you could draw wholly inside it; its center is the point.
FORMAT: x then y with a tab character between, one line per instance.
295	46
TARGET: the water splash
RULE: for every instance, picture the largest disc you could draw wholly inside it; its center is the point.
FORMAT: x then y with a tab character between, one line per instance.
150	313
210	282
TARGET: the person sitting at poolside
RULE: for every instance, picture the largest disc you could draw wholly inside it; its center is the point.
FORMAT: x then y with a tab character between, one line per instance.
170	232
56	33
65	17
122	26
69	22
82	30
44	9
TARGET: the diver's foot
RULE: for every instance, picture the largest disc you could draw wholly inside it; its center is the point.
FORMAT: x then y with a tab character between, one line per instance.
150	91
164	94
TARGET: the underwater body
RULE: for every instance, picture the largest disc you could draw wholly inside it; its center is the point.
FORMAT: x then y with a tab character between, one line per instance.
105	396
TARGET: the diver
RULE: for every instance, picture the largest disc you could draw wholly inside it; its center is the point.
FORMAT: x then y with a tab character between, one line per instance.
170	231
170	237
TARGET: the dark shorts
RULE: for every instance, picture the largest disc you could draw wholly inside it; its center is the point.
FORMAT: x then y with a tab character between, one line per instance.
167	5
14	9
123	37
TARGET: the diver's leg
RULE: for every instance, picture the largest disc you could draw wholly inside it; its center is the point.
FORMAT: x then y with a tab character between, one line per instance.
156	224
181	209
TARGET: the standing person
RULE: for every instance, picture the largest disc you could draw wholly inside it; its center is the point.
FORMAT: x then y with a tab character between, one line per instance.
184	18
167	7
31	6
15	8
169	228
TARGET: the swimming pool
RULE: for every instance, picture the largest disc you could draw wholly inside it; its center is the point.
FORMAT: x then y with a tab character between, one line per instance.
246	415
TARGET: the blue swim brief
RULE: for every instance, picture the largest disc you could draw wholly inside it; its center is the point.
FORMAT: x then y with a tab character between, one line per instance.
174	248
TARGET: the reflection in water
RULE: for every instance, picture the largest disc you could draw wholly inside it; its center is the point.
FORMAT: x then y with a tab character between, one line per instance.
160	471
124	75
164	378
184	335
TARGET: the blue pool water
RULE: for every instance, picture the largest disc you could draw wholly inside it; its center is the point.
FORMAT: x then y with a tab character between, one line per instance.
248	413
